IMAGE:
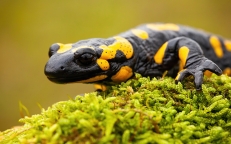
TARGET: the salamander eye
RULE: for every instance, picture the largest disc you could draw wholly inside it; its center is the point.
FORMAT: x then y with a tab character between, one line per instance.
85	58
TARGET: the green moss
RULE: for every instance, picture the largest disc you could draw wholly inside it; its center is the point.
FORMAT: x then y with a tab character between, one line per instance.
138	111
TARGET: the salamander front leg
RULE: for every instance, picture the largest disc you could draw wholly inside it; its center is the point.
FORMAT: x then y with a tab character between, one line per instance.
198	72
191	58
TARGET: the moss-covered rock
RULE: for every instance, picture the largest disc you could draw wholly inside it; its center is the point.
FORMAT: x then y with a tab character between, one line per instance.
138	111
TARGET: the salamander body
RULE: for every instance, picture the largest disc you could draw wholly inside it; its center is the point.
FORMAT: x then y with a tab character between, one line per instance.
152	50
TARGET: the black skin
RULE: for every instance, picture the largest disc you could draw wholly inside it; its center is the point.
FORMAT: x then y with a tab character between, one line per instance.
67	67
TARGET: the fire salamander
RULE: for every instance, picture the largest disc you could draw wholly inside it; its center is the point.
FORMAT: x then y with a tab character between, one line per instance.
153	50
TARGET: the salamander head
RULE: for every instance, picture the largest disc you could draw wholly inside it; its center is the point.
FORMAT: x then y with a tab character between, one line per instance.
87	61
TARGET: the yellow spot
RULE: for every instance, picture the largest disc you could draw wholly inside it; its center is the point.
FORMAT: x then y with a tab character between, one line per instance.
64	47
140	33
183	54
123	74
158	58
100	87
122	44
208	73
181	66
167	26
227	71
93	79
228	45
81	47
103	64
215	42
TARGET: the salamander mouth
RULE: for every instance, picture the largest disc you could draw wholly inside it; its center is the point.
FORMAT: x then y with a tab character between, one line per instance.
86	78
64	80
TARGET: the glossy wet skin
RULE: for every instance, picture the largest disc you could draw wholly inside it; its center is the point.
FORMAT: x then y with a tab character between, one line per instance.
87	61
153	50
72	64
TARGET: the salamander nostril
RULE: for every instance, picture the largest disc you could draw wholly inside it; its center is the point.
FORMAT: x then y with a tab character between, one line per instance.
62	68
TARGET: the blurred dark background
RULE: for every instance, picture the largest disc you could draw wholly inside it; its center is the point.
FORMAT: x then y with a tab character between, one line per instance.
28	28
